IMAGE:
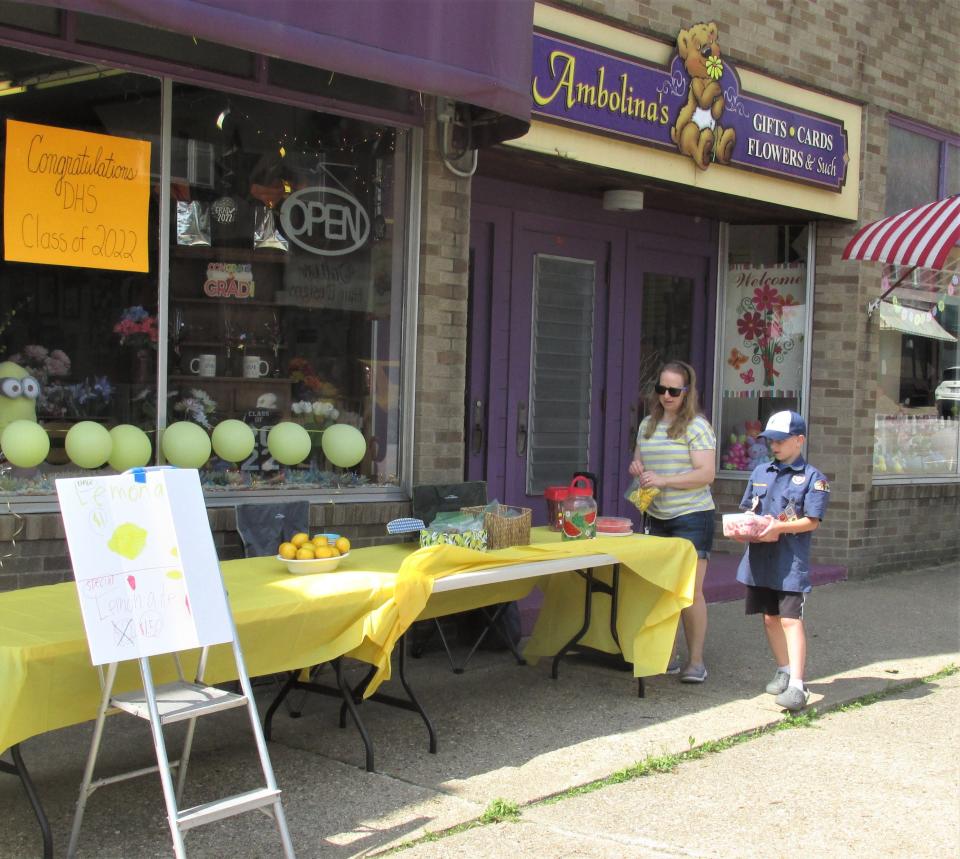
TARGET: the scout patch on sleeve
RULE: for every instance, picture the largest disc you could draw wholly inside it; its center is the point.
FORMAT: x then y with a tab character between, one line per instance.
822	485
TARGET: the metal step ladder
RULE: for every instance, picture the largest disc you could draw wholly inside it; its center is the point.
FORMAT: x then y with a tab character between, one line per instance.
181	701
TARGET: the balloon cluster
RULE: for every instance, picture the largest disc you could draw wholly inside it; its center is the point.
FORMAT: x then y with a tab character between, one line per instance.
184	444
744	453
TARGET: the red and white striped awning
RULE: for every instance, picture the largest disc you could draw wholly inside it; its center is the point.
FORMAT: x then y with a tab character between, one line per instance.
921	237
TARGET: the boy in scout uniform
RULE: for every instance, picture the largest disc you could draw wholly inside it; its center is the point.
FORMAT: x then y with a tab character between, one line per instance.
776	565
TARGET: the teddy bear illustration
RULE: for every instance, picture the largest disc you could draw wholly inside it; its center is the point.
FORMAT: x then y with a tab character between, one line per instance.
697	131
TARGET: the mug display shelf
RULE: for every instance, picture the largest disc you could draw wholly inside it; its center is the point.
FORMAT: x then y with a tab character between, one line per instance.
196	377
220	253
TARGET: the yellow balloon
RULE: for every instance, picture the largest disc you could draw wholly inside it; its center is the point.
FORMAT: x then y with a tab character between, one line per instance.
25	443
232	440
288	443
344	445
185	445
88	444
131	447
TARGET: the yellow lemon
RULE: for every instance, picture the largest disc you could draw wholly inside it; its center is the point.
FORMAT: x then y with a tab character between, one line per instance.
324	552
343	544
320	540
287	551
305	553
334	552
299	539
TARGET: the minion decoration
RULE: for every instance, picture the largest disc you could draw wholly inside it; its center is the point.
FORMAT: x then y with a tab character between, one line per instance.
19	392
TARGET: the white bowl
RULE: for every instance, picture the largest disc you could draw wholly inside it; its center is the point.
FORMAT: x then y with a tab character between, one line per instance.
317	565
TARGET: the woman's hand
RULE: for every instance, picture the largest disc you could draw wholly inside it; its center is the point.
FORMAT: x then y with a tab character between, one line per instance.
651	478
636	468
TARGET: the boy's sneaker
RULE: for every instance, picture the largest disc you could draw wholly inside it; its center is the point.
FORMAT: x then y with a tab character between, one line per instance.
694	674
676	663
793	699
779	684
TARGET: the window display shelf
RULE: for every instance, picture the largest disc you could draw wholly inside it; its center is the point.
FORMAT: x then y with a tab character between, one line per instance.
193	377
228	254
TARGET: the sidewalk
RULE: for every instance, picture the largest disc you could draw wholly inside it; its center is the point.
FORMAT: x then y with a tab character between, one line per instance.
512	733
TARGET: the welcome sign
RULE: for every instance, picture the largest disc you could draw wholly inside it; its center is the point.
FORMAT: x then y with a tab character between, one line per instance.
695	107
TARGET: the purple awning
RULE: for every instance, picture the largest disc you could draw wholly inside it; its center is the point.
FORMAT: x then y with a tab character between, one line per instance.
474	51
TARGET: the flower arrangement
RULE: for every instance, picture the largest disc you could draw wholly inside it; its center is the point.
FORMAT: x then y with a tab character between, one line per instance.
41	363
137	328
86	398
320	412
196	406
304	376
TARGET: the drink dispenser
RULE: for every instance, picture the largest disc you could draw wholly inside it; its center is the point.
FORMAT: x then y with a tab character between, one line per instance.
579	510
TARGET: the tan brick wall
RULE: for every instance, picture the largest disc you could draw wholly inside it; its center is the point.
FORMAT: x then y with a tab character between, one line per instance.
887	55
442	320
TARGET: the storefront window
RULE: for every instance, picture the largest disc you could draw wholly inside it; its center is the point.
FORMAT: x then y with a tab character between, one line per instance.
765	309
918	384
286	284
277	299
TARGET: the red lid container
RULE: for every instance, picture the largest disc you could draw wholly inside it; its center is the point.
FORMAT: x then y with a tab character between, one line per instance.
555	493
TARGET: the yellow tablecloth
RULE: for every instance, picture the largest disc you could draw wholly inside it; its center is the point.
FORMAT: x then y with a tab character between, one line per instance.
287	622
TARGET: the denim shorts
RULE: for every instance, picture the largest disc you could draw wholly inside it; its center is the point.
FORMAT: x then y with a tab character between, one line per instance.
696	527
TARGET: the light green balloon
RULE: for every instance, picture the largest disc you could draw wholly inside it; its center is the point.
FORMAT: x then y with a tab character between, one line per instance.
88	444
25	443
131	447
233	440
288	443
185	445
344	445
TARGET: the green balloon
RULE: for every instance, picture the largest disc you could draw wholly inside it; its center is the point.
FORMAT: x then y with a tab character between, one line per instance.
25	443
233	440
344	445
88	444
131	447
288	443
185	445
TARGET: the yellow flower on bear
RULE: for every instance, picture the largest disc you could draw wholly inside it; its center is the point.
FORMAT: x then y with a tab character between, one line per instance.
715	68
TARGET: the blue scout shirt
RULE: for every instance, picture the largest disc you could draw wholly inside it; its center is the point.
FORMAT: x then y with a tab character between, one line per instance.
787	492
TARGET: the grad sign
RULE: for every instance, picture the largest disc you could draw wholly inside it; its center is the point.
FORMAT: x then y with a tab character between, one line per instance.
695	107
75	198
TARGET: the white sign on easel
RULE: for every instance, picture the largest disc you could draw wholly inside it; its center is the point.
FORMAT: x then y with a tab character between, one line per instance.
145	564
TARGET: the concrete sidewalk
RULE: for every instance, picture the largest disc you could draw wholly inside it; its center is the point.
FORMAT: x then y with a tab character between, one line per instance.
512	733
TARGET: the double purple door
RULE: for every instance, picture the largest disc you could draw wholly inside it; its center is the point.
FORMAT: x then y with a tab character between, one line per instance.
568	323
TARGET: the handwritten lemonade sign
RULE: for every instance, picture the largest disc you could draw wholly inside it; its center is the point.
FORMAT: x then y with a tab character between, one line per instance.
75	198
145	565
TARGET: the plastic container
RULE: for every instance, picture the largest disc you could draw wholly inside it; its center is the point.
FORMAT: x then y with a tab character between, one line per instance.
743	524
614	526
579	510
554	496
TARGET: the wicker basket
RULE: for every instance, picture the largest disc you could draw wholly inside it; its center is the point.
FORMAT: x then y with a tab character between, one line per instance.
503	531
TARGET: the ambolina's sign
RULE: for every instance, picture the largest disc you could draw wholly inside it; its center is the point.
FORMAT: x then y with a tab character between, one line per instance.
695	107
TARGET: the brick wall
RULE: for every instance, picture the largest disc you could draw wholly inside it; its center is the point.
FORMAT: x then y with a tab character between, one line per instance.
442	320
887	55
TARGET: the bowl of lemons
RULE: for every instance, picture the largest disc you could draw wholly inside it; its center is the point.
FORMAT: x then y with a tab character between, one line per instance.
321	553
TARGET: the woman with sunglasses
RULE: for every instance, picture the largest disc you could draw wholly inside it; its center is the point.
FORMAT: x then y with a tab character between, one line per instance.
676	453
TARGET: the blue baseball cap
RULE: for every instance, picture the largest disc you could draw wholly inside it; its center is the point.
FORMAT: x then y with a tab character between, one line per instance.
782	425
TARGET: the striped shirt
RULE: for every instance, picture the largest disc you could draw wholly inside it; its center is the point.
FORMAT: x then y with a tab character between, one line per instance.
669	456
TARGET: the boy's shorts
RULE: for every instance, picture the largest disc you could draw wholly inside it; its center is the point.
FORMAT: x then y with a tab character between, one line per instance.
769	601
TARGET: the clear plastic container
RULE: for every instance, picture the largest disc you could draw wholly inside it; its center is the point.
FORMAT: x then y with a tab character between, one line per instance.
579	510
743	524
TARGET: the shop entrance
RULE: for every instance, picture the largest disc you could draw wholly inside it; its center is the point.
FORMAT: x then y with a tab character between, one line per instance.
568	323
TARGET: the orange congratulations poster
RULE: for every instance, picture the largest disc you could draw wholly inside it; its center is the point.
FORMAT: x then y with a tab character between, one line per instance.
75	198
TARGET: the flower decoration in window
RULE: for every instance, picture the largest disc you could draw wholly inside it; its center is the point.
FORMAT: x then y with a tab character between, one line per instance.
42	363
137	328
196	405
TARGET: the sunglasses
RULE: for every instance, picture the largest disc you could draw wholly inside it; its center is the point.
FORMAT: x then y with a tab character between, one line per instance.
673	392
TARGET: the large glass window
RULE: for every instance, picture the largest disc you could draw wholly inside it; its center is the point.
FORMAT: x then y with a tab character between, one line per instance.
918	379
765	307
923	165
282	303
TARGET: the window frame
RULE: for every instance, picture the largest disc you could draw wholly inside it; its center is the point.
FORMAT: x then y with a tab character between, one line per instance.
945	138
409	243
722	268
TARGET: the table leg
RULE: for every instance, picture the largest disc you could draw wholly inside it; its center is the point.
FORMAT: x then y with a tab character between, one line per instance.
587	576
19	769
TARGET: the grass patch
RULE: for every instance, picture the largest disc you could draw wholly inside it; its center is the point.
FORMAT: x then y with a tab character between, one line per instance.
501	810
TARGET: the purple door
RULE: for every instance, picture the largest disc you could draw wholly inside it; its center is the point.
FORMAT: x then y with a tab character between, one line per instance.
566	320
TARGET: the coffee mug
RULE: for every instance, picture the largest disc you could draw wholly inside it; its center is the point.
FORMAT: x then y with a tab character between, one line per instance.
254	367
204	365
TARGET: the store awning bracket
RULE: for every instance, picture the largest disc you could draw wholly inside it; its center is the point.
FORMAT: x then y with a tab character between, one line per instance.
875	303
